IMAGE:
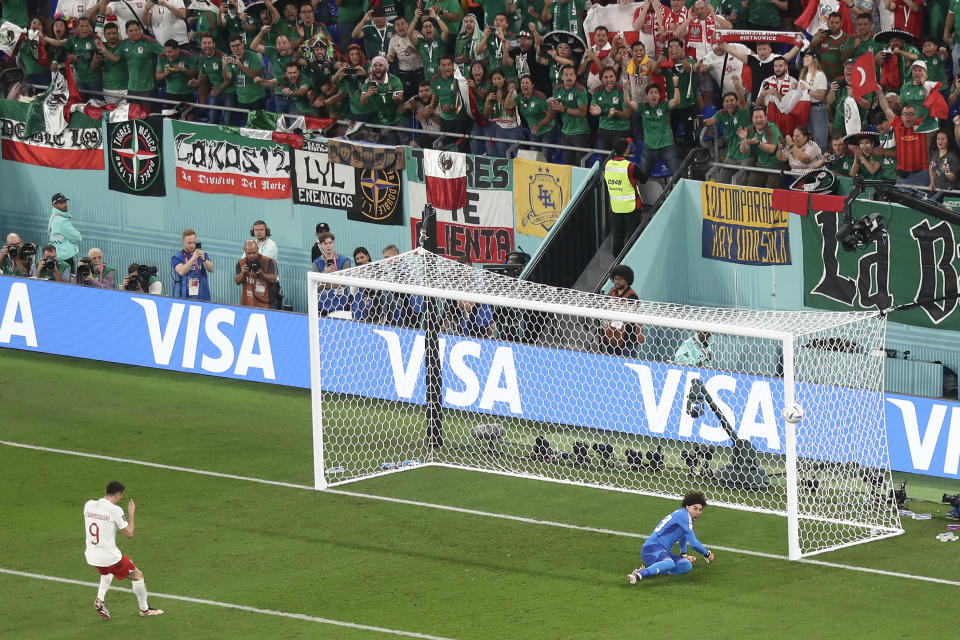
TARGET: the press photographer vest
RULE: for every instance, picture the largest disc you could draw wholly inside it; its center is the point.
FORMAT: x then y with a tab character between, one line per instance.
254	291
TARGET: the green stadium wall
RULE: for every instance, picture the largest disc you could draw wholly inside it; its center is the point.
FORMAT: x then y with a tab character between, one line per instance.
669	267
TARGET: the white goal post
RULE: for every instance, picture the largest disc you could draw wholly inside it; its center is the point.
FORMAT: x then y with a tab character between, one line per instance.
418	360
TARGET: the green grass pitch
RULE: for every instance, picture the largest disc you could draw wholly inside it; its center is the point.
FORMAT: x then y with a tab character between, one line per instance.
389	565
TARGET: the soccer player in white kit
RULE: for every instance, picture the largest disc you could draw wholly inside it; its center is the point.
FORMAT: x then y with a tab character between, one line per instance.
101	520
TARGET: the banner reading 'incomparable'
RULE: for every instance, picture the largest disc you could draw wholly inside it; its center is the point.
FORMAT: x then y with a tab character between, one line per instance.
739	225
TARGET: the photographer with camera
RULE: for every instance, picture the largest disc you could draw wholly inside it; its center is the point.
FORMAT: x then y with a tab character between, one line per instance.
257	277
142	279
92	272
49	267
16	258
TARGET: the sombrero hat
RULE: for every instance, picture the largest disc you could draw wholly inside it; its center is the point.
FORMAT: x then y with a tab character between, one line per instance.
856	137
886	36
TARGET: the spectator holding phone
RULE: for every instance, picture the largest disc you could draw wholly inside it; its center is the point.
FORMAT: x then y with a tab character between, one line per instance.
189	269
332	298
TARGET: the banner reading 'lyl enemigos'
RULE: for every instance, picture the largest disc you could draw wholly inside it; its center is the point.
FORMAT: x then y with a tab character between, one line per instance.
740	225
482	230
212	159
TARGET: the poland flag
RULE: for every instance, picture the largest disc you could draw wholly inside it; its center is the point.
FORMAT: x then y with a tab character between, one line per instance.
446	177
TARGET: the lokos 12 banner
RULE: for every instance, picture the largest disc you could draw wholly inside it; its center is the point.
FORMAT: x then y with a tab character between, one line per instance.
482	230
212	159
80	146
739	225
914	261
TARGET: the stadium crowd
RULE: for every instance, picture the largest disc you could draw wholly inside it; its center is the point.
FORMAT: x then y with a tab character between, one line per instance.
531	71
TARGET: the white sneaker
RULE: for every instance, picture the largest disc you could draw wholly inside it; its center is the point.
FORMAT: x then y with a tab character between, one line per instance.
151	612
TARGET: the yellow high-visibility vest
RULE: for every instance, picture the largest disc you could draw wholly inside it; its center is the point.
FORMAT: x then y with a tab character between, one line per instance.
623	195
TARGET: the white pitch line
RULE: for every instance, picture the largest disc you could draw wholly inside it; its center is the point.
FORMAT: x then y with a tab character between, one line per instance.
156	465
486	514
227	605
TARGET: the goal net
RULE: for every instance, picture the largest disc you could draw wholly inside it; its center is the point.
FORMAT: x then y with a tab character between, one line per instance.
419	360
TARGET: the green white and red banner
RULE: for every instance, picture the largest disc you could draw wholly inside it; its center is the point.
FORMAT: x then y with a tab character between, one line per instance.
481	229
79	146
213	159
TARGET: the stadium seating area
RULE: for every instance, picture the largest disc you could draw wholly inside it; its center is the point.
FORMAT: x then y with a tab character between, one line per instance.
459	68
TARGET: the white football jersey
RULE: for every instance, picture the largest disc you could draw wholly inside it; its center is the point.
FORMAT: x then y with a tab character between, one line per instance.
101	520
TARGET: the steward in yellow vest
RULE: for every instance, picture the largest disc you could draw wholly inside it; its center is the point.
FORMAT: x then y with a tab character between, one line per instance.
621	177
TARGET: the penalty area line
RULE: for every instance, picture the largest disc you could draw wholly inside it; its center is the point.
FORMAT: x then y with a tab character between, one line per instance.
475	512
227	605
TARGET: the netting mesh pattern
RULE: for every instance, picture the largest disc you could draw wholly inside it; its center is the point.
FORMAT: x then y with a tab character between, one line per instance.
426	361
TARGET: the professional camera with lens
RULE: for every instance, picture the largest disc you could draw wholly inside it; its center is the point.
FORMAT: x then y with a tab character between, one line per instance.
952	500
48	264
27	253
13	251
84	269
139	279
254	265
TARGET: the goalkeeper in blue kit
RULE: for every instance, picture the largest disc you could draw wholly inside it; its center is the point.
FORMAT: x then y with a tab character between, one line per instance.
678	526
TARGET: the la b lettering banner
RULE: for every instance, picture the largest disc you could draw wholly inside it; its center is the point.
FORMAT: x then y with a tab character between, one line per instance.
135	157
212	159
317	182
483	229
918	263
741	226
80	146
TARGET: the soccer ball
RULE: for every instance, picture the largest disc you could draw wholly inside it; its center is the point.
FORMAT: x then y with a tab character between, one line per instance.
792	413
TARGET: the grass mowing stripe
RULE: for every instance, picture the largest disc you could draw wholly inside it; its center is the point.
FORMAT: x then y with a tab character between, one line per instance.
227	605
487	514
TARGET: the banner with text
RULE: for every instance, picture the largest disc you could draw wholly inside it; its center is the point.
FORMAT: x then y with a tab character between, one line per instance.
213	160
135	156
80	146
740	226
487	376
917	263
367	195
483	230
317	182
541	193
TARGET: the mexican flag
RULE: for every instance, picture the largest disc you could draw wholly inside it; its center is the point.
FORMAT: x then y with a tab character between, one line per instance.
79	145
50	113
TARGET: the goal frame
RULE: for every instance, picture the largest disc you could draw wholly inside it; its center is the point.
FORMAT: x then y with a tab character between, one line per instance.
784	338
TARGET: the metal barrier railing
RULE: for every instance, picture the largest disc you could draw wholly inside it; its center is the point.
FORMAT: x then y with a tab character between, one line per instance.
191	107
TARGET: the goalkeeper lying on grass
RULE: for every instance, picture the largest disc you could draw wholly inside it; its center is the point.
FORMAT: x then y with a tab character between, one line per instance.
676	526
